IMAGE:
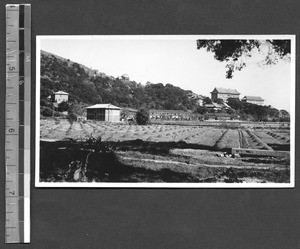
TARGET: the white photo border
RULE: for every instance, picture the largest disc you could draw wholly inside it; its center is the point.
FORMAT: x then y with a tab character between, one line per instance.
291	184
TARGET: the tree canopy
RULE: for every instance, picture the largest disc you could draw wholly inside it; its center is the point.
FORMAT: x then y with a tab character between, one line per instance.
142	117
233	51
257	112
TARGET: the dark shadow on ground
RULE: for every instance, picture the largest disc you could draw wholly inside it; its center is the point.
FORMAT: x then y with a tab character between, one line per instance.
281	147
56	158
159	148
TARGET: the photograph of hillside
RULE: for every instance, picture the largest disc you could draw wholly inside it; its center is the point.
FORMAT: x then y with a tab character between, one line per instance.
165	111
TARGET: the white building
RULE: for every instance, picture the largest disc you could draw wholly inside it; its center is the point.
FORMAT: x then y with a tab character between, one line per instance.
60	96
104	112
253	100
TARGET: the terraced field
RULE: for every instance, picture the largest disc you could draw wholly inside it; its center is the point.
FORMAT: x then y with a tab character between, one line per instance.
210	136
179	150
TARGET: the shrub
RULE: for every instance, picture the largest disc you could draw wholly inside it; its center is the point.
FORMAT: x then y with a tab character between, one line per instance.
56	114
63	106
142	117
72	117
47	111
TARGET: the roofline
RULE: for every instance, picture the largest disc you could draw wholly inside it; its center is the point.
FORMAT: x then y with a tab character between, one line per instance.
225	92
164	110
104	107
61	93
229	93
260	98
111	108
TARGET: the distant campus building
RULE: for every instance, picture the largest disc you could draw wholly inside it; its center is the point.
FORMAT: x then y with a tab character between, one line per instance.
199	99
215	106
104	112
170	114
112	113
60	97
253	100
125	77
224	93
93	72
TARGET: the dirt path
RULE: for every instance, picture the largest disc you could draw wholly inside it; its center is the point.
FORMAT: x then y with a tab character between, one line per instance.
170	163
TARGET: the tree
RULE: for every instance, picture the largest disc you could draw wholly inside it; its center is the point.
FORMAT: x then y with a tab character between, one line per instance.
261	112
207	100
124	114
233	52
63	107
46	111
201	110
231	111
284	116
142	117
235	103
219	101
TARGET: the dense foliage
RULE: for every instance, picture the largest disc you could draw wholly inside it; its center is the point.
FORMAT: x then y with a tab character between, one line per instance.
59	74
142	117
257	112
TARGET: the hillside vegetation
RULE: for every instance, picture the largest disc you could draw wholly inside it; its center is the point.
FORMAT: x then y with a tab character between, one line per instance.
86	88
60	74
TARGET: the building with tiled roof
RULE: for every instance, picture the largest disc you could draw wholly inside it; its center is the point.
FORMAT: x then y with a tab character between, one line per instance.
104	112
170	114
253	100
224	93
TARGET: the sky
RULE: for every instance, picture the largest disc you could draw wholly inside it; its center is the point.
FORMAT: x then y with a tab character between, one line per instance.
175	60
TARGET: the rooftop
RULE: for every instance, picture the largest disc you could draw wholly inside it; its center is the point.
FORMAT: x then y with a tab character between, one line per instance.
169	111
257	98
61	92
130	109
225	90
105	106
213	105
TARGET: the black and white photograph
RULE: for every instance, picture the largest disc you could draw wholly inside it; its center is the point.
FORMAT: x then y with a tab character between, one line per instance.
179	111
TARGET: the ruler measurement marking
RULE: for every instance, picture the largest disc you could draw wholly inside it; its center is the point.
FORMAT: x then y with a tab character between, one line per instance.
17	111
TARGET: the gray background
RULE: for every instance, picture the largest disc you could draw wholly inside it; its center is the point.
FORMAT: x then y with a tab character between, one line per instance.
158	218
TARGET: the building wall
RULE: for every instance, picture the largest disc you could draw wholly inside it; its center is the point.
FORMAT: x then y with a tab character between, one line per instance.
58	98
214	96
102	114
256	102
223	96
170	115
96	114
112	115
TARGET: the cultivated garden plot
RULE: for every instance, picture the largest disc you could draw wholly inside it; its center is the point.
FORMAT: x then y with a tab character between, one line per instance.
216	137
61	129
158	153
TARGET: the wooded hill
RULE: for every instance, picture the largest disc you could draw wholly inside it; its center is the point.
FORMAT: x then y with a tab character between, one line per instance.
86	88
60	74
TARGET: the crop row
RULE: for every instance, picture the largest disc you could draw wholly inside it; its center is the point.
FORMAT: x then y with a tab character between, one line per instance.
219	138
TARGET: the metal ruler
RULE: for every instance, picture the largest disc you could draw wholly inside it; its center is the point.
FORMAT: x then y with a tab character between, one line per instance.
17	118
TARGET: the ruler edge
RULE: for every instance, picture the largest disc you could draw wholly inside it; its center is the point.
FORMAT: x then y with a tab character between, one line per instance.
27	132
7	201
27	163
